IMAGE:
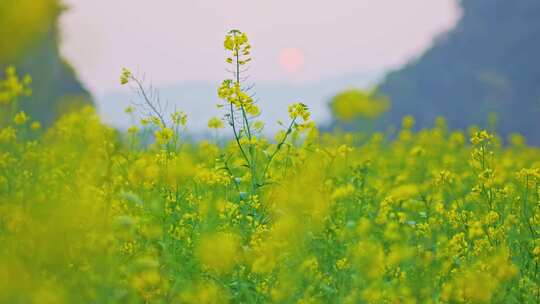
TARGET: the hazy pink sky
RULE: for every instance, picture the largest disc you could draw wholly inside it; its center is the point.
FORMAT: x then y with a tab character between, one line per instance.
177	40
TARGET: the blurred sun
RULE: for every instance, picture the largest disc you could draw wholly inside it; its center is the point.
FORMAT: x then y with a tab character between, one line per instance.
291	60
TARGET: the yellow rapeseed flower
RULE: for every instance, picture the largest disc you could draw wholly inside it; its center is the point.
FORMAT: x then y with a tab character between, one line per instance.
215	123
21	118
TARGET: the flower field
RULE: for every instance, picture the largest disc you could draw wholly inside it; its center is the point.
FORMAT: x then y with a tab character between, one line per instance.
92	215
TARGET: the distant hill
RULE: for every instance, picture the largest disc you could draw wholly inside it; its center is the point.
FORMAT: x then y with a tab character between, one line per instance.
31	45
489	63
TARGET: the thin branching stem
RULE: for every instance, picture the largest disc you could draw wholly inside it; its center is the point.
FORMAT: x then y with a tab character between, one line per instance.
143	93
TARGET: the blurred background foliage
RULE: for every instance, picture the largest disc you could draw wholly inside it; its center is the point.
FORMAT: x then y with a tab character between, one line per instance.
351	104
29	38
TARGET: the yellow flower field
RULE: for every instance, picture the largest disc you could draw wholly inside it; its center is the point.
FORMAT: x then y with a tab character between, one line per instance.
92	215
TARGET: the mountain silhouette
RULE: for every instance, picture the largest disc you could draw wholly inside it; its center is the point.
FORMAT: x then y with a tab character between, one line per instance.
489	63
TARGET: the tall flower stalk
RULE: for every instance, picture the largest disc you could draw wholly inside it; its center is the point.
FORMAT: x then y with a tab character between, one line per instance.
241	110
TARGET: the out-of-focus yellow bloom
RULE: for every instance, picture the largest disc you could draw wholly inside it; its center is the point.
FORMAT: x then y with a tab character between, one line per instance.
203	293
12	87
129	109
219	252
179	118
353	104
125	76
21	118
215	123
133	129
8	134
517	140
408	122
164	135
36	125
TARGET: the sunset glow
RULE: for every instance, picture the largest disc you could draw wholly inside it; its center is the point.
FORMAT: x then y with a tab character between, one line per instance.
291	60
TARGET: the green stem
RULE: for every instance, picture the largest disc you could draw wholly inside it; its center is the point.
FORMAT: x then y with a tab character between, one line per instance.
237	137
251	162
280	144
